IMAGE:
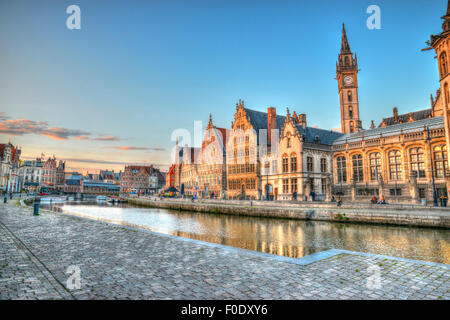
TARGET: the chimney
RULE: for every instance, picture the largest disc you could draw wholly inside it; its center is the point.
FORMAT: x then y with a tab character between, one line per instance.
302	120
271	123
372	125
395	114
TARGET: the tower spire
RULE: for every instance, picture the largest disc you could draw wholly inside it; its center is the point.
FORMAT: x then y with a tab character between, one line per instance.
345	47
210	123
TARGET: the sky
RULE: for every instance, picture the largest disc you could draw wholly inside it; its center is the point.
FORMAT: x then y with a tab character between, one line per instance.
113	92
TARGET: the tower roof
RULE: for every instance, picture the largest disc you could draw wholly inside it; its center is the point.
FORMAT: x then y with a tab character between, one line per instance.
345	47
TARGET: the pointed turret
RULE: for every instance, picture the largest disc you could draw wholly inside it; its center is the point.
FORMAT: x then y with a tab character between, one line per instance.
345	47
210	123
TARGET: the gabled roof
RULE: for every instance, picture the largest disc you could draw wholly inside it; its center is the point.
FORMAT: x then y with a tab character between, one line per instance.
402	118
325	136
432	123
258	119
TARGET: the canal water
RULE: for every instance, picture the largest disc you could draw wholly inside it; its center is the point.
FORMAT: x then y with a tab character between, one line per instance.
291	238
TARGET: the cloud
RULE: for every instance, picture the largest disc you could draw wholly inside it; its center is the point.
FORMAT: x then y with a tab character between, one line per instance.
3	116
19	127
107	138
130	148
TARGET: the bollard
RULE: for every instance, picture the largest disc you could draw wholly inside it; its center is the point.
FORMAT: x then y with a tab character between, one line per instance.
10	196
5	199
36	207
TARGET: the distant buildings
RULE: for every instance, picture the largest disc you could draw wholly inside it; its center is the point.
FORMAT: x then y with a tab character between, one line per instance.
141	180
9	167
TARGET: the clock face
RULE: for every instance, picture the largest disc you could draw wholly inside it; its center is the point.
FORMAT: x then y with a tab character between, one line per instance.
348	80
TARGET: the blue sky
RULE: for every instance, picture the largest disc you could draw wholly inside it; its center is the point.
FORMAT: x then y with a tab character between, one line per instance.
113	92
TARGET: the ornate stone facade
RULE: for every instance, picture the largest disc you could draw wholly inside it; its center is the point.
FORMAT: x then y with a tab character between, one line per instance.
212	180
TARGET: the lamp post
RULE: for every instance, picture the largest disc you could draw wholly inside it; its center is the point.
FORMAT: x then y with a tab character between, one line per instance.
435	204
267	181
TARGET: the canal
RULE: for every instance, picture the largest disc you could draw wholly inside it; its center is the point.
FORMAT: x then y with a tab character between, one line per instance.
291	238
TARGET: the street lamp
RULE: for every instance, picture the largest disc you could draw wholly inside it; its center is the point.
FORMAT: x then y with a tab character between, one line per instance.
435	204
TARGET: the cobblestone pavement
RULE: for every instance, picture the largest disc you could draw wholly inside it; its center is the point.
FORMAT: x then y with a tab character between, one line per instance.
120	263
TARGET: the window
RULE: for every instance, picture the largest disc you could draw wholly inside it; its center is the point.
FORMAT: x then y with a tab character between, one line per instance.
357	162
324	185
351	127
440	162
285	164
341	166
395	165
422	194
323	165
349	95
293	163
375	165
395	192
347	61
309	164
285	185
294	185
288	142
417	162
444	66
274	166
350	112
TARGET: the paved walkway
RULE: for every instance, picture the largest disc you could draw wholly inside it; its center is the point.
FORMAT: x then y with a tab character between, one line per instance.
39	254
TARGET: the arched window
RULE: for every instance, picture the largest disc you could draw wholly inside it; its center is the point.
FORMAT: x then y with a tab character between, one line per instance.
444	65
357	164
285	164
350	112
293	162
351	127
341	173
347	61
440	161
349	95
417	162
375	165
395	165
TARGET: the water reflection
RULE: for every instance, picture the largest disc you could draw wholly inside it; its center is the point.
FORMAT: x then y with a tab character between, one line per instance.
289	238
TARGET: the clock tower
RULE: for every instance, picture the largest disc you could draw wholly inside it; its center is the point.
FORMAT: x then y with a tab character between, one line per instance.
347	77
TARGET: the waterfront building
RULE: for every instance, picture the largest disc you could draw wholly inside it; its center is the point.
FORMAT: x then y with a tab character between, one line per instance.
53	174
170	177
110	176
299	166
9	167
187	168
212	180
250	131
97	187
405	156
141	180
31	173
403	159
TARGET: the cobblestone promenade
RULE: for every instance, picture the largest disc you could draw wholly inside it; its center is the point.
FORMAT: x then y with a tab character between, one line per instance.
36	255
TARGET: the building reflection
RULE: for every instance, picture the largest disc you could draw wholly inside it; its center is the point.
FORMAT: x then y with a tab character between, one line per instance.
290	238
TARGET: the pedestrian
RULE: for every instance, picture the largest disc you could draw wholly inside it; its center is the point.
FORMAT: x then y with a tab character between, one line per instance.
339	201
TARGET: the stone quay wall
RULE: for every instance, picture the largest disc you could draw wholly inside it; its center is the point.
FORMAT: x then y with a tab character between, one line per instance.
408	215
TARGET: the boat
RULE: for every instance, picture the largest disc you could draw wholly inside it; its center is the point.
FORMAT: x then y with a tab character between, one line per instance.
101	198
